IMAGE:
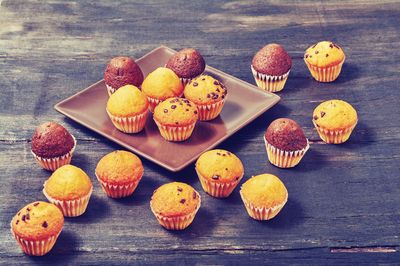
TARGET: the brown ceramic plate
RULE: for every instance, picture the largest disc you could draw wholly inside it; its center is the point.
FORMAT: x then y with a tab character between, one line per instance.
244	103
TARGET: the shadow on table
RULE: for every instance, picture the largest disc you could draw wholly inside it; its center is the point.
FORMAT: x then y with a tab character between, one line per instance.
291	215
97	209
141	195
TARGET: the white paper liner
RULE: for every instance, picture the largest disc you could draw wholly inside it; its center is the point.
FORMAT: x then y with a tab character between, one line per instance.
262	213
132	124
269	83
110	90
53	164
210	111
70	208
35	248
118	191
284	159
334	136
325	74
153	102
178	133
178	222
218	189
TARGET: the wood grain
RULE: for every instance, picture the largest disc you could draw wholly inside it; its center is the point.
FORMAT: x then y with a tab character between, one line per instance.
343	200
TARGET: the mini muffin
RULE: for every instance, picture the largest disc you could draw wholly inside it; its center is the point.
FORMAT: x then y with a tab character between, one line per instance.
69	188
127	109
219	172
324	60
271	67
263	196
52	145
122	71
334	121
119	173
176	118
36	227
175	205
285	143
187	64
208	94
160	85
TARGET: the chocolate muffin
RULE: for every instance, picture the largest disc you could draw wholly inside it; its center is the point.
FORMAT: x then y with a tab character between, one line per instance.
285	134
187	63
122	71
51	140
272	60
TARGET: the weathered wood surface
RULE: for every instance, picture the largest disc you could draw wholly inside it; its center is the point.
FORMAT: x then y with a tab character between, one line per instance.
343	200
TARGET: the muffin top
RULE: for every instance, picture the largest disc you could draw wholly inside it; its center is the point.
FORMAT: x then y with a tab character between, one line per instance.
38	220
324	54
175	199
335	115
264	190
220	166
162	83
68	183
122	71
176	112
187	63
272	60
205	90
285	134
120	168
51	140
127	101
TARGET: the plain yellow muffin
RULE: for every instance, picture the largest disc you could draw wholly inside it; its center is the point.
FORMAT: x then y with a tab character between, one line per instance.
264	196
37	226
127	101
324	54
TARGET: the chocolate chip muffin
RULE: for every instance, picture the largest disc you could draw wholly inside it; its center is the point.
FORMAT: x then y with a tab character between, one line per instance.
187	64
52	145
122	71
285	142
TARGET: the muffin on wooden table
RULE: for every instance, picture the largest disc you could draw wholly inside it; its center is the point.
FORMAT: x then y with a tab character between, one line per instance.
36	227
271	67
52	145
122	71
175	205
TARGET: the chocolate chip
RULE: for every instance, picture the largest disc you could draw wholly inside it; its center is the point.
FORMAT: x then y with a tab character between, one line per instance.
17	222
322	114
195	112
194	195
326	55
19	213
215	96
180	189
195	84
315	117
217	90
215	177
44	224
316	52
177	123
310	56
229	153
218	153
165	110
23	218
185	101
216	82
36	204
203	79
237	178
173	106
27	216
224	154
223	96
182	201
226	169
189	105
187	110
306	56
28	209
331	45
208	95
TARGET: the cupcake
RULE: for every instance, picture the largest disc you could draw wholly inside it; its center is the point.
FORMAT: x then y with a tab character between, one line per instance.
271	66
175	205
208	94
119	173
285	142
263	196
176	118
36	227
69	188
219	172
127	109
324	60
187	64
334	121
161	84
52	145
122	71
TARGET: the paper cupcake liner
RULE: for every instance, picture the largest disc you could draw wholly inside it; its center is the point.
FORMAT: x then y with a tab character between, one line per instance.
53	164
153	102
178	133
110	90
35	248
217	189
178	222
132	124
262	213
210	111
71	208
269	83
325	74
284	159
334	136
118	191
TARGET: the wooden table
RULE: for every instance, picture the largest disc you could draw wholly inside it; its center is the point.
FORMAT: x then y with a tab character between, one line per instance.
343	200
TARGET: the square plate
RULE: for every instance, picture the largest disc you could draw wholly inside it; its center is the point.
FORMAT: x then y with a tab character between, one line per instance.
244	103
